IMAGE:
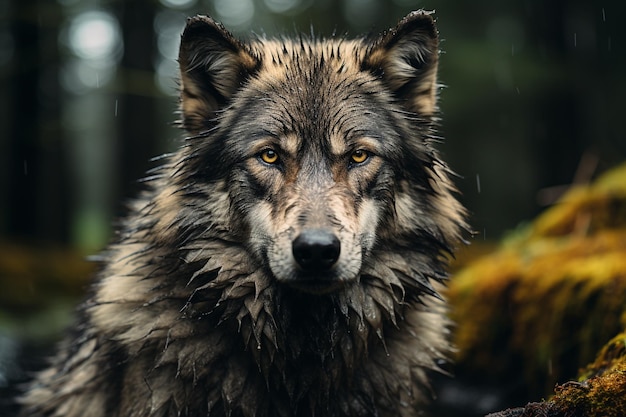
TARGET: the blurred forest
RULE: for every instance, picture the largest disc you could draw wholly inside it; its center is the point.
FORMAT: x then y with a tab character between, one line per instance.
532	103
533	99
88	94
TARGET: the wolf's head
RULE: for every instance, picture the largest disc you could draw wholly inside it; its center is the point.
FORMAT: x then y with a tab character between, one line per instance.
323	147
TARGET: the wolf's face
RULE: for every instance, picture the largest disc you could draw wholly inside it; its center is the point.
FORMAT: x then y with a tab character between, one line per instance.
322	145
315	179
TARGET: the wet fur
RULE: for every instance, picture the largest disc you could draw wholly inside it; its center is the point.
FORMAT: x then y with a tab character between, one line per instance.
199	309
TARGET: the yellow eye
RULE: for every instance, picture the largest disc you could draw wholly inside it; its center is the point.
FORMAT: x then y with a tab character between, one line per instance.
269	156
359	156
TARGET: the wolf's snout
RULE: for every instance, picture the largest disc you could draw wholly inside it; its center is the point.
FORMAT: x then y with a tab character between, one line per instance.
316	250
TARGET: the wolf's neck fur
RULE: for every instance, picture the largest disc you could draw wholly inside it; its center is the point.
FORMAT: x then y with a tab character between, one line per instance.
247	346
183	324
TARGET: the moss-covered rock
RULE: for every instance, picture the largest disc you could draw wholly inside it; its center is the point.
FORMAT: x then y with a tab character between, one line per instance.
541	305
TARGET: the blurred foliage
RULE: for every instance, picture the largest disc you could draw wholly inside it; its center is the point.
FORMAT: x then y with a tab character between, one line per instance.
40	288
541	305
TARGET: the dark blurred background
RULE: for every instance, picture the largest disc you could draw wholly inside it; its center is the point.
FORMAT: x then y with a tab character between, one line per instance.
88	94
533	102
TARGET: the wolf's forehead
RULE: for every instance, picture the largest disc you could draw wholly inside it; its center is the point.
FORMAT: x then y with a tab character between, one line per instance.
292	55
315	93
321	81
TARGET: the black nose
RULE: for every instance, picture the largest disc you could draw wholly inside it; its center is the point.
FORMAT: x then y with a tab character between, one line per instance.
316	250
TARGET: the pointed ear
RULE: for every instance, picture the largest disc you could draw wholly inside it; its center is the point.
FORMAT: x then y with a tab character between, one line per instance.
405	58
213	66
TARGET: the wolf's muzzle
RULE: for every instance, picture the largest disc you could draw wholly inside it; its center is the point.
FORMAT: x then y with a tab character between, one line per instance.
316	250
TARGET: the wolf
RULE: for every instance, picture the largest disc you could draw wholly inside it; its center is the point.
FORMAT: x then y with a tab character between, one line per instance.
285	261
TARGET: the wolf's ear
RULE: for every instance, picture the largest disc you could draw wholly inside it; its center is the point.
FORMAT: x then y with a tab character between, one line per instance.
406	57
213	66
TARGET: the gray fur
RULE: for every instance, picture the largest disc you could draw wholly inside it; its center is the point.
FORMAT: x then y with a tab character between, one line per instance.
200	309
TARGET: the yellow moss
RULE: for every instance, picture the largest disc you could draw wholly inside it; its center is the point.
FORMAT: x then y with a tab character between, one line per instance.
602	392
586	209
601	396
539	281
556	286
611	357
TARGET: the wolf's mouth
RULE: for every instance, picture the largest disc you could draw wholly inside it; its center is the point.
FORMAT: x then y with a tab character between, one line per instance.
316	286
